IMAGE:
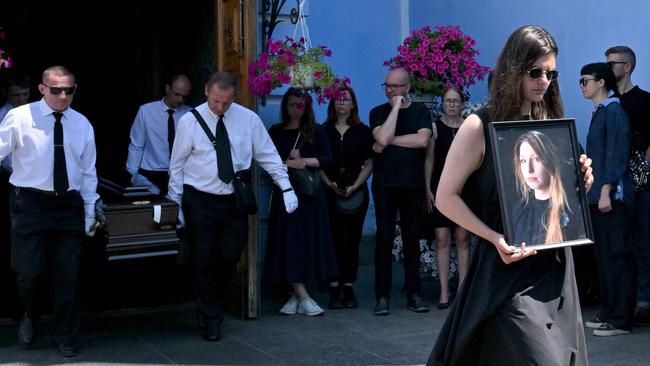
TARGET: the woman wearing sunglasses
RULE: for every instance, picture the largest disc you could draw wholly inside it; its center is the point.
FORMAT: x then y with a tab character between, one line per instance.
611	203
515	307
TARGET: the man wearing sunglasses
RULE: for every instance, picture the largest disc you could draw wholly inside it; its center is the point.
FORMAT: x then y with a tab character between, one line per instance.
152	136
52	201
636	103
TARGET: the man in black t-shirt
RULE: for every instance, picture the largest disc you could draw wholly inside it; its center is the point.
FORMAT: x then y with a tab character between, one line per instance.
401	130
636	103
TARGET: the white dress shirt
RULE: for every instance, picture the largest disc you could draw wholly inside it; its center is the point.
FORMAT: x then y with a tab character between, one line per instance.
194	160
149	147
5	163
28	133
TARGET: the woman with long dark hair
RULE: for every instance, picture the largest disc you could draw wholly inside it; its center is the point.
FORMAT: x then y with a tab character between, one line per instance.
351	142
299	248
516	307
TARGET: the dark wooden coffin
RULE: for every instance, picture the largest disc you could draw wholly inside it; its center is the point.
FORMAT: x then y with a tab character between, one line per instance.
140	226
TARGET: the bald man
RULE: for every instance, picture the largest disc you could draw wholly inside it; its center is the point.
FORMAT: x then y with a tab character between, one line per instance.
152	136
402	130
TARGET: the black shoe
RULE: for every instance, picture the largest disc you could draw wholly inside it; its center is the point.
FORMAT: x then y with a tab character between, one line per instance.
335	298
349	299
66	349
383	306
212	332
415	304
443	305
26	333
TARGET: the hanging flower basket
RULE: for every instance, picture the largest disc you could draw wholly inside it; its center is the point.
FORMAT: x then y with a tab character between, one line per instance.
289	62
5	60
437	59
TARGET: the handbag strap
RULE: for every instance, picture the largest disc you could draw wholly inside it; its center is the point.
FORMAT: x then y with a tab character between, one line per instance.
295	144
206	129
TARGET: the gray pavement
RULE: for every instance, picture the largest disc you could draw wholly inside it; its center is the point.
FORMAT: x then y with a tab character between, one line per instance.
168	336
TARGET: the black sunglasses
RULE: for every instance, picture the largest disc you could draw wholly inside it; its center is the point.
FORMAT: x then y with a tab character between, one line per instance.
584	81
55	90
537	72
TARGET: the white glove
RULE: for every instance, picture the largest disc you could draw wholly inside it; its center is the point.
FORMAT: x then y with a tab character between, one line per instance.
181	219
140	180
90	226
290	201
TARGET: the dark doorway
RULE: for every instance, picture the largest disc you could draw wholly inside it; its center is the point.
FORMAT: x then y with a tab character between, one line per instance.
121	55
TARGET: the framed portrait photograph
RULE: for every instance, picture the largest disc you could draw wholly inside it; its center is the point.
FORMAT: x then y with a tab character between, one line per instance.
540	182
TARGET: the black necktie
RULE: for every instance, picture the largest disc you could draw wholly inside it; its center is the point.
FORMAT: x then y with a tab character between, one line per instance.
224	160
60	171
170	130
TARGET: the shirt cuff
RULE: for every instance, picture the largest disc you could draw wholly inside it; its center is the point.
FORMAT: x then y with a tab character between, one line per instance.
284	183
89	210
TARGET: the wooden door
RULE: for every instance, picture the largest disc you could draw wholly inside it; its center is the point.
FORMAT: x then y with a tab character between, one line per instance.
236	40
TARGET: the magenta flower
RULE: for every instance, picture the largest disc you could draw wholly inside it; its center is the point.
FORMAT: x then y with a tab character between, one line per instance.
438	58
290	62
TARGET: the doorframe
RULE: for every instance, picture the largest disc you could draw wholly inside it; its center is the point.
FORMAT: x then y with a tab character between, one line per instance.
244	30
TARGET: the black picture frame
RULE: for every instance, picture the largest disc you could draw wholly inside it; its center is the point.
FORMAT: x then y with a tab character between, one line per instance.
563	198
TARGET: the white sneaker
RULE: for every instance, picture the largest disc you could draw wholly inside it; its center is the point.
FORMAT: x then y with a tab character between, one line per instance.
290	308
309	307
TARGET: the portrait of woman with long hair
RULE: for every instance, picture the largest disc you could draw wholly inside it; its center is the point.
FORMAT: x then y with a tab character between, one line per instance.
542	214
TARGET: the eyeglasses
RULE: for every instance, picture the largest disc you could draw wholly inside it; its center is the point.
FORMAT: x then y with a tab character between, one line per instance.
613	63
584	81
537	72
392	86
344	101
55	90
452	101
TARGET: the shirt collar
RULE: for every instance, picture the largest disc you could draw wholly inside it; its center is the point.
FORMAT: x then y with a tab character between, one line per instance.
46	109
609	100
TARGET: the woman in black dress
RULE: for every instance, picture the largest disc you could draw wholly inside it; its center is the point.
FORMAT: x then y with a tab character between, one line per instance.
299	248
516	307
445	129
351	143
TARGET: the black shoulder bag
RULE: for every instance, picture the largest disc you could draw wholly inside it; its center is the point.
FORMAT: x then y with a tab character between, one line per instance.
244	195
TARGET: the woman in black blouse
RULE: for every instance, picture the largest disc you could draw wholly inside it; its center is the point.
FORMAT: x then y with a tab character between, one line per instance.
351	142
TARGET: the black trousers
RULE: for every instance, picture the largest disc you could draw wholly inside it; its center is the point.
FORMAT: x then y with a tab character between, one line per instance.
346	234
9	304
47	232
159	178
216	233
388	202
616	263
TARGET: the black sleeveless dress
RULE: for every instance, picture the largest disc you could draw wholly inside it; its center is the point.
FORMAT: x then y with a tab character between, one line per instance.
524	313
445	137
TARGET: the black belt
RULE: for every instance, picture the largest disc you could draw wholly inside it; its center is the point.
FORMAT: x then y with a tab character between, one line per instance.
47	193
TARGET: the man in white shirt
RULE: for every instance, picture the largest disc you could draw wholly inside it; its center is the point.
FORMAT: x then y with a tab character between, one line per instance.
52	201
152	136
216	230
16	93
